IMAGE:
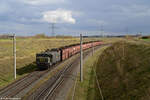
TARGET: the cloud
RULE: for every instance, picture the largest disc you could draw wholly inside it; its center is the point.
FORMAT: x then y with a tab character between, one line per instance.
59	16
4	8
114	15
43	2
78	13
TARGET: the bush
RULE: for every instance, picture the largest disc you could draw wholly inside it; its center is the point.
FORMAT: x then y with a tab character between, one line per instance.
41	35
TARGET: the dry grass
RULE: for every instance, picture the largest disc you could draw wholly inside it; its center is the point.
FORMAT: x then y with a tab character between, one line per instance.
86	89
26	50
124	71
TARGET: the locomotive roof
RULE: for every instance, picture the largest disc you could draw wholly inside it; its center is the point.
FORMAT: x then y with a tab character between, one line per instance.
55	49
44	54
49	50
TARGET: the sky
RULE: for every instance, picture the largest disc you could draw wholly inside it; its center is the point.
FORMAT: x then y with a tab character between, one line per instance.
72	17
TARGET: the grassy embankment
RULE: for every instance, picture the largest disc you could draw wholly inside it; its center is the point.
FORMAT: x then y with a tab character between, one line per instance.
124	71
26	50
86	89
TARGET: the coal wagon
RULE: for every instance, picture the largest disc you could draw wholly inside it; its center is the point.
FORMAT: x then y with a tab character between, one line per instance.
48	58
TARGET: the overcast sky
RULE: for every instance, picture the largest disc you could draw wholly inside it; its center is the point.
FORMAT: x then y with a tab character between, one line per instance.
30	17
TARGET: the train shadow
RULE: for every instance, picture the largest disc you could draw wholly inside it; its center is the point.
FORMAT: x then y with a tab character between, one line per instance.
27	69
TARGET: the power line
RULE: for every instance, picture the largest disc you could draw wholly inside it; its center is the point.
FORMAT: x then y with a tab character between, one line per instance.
53	29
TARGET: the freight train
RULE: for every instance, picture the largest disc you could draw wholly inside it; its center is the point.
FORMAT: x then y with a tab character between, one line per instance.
46	59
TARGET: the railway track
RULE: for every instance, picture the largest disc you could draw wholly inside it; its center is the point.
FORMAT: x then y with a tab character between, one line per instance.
45	91
57	82
48	90
18	86
53	93
49	86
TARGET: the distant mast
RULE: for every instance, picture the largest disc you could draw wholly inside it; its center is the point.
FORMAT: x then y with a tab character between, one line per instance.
127	32
102	29
53	29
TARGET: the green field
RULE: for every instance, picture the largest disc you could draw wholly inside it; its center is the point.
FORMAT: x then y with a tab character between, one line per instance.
146	40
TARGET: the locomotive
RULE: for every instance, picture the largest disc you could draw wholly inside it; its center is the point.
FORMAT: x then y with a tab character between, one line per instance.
46	59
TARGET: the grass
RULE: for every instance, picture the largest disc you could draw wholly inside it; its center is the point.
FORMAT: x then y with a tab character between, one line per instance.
124	72
146	39
26	50
86	89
